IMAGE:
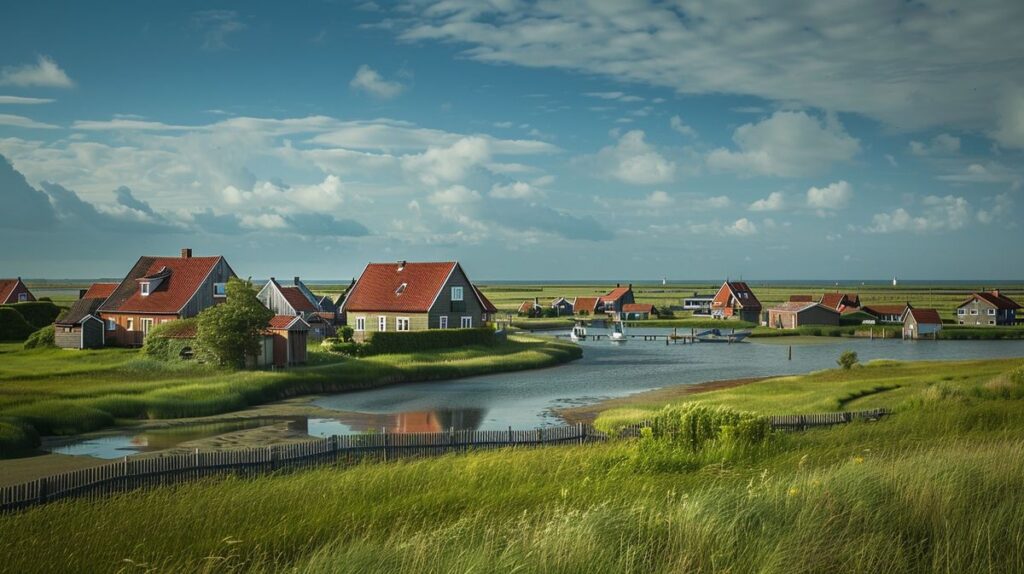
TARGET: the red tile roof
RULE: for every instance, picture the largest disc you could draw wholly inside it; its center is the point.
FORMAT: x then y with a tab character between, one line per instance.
377	288
484	301
186	276
885	309
6	288
926	316
284	321
297	300
738	289
839	301
588	304
638	308
994	298
100	291
616	294
801	298
528	305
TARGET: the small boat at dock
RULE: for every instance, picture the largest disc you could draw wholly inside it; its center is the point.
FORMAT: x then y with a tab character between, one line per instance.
618	334
579	332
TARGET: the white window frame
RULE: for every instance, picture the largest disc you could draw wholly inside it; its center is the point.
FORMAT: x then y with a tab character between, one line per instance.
129	324
992	312
458	294
961	311
146	324
443	322
466	322
382	323
402	324
144	288
360	324
111	325
22	297
220	293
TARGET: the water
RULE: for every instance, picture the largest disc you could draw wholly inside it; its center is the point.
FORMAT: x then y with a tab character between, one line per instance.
127	443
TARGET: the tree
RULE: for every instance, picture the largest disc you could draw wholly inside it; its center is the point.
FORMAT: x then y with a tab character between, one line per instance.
848	359
346	333
229	332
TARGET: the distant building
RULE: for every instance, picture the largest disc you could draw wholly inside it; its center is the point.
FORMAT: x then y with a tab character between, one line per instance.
793	314
987	309
296	300
562	306
14	291
841	302
587	306
698	304
634	311
801	298
921	324
530	307
614	300
735	299
886	313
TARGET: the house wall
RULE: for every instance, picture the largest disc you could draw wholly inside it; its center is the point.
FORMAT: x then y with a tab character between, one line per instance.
983	319
417	322
442	307
783	319
67	337
914	330
272	299
203	297
121	336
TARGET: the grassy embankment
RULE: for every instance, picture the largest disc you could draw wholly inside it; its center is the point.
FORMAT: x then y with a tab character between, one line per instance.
938	487
63	392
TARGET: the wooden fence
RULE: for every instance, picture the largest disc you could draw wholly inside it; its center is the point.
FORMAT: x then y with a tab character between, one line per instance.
130	474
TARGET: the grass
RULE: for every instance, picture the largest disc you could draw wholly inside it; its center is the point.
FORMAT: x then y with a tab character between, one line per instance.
64	392
938	487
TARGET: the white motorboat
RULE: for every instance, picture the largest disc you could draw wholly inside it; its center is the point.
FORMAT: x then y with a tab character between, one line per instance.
618	334
578	333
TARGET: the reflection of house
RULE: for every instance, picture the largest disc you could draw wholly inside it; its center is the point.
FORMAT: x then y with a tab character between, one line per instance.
735	299
14	291
921	324
841	302
562	306
405	296
699	304
793	314
614	300
81	327
987	309
633	311
587	306
161	289
886	313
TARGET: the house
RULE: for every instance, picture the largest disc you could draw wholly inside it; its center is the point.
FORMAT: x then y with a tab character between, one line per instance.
633	311
296	300
698	304
793	314
81	326
921	324
407	296
161	289
14	291
290	336
587	306
562	306
886	313
986	309
735	299
614	300
530	308
841	301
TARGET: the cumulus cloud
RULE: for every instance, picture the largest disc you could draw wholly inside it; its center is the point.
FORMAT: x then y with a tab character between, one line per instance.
45	73
437	165
326	195
774	202
991	172
787	144
938	214
632	160
677	124
942	144
1009	129
455	195
1000	208
658	200
741	227
619	96
516	190
832	197
371	82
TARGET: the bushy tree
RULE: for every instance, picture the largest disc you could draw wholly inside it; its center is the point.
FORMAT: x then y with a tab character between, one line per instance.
848	359
346	333
229	332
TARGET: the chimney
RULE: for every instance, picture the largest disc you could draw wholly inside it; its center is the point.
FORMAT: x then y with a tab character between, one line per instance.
995	292
630	285
186	253
296	280
401	265
618	285
82	292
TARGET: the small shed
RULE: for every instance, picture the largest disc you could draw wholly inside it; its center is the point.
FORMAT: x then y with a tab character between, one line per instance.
633	311
922	324
290	336
80	327
793	314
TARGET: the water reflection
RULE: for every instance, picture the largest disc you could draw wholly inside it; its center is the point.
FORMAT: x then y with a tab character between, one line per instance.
122	444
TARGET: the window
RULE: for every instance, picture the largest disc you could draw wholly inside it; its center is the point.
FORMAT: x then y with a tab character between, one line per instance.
974	311
457	294
961	311
466	323
146	324
130	325
22	297
401	288
382	323
220	289
144	288
401	323
991	311
444	321
111	325
991	322
360	323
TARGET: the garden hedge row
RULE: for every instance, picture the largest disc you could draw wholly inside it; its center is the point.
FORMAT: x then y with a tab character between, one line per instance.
13	326
166	340
416	341
38	314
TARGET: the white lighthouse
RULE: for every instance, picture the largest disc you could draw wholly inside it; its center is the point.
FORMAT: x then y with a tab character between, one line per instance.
893	280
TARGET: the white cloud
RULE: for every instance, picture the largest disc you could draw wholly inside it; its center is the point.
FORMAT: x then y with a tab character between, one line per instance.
455	195
991	172
447	164
23	101
939	214
516	190
618	96
370	81
941	145
658	200
774	202
1001	208
632	160
741	227
1009	129
787	144
677	124
45	73
324	196
23	122
715	202
216	26
832	197
892	160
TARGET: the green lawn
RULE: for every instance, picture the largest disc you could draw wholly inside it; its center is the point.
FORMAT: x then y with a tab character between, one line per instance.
937	487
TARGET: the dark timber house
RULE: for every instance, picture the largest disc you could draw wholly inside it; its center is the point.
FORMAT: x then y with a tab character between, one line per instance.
14	291
296	300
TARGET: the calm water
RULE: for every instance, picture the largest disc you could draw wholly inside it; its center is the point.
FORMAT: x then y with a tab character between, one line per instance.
526	399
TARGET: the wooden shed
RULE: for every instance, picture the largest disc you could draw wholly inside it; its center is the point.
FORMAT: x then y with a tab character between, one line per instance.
793	314
80	328
290	335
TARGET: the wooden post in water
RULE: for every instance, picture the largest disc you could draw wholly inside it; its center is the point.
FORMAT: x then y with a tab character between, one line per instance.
791	352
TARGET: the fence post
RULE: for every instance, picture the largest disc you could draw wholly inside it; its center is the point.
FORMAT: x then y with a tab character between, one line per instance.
273	458
384	432
42	490
509	434
124	472
579	430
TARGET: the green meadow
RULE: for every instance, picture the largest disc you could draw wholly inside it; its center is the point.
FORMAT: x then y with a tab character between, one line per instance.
936	487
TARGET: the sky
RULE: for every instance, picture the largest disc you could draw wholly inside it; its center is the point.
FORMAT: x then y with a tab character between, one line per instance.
623	140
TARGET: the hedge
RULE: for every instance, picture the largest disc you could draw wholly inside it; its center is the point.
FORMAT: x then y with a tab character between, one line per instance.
41	339
13	326
17	438
166	341
38	314
415	341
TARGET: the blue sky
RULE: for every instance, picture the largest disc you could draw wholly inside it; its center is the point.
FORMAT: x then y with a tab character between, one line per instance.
628	140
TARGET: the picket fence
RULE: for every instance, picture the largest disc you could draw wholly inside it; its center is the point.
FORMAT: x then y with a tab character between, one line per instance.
130	474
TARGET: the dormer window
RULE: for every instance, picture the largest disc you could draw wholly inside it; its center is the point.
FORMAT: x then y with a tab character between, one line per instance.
401	288
220	289
144	288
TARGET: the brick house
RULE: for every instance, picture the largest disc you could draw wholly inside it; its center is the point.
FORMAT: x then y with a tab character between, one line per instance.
987	309
735	299
161	289
408	296
14	291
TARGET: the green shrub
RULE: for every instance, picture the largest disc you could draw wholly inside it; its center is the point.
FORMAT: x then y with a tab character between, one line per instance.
59	416
694	425
350	348
41	339
848	359
346	333
13	326
390	342
166	341
17	438
37	313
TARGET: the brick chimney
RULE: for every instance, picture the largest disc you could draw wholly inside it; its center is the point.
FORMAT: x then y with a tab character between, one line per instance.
296	280
186	252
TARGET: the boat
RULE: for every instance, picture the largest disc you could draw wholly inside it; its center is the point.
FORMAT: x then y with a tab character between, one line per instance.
716	336
579	332
618	333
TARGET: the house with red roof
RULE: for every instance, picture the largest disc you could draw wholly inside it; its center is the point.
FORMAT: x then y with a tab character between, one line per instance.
842	302
587	306
296	300
987	309
81	326
614	300
634	311
530	308
414	296
921	323
161	289
887	313
14	291
735	299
